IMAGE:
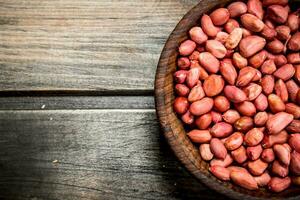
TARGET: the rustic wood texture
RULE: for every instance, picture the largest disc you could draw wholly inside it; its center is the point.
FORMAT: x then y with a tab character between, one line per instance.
84	44
90	154
173	128
76	102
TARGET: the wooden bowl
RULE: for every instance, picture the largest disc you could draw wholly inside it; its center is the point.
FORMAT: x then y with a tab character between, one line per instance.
172	127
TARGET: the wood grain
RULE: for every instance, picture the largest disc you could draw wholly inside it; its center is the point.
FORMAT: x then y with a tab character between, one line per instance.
100	154
84	44
76	102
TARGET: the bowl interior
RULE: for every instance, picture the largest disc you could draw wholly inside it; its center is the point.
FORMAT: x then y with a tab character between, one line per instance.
173	128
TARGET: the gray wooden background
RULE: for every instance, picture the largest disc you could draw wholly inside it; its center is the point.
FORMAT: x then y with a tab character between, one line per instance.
77	115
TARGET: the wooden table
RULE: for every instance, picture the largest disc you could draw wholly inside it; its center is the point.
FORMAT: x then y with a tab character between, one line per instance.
77	115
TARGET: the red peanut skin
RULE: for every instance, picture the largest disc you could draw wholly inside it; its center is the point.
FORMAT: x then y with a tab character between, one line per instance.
182	90
220	172
244	179
280	169
257	60
294	42
237	9
255	8
277	184
285	72
261	102
282	153
234	141
263	179
221	104
293	89
268	84
261	118
220	16
188	118
293	109
218	148
208	26
183	63
251	45
187	47
293	58
196	93
277	13
193	77
199	136
197	35
294	127
203	121
228	72
268	155
213	85
205	152
231	25
295	163
239	155
231	116
281	90
252	23
222	162
234	94
181	105
279	138
275	103
209	62
293	22
216	117
254	153
221	129
278	122
216	48
244	124
246	75
294	141
253	137
246	108
202	106
257	167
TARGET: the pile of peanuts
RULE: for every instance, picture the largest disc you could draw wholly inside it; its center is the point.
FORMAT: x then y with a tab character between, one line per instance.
237	91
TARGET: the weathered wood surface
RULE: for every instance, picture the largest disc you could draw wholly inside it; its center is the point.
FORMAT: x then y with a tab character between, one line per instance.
76	102
100	154
84	44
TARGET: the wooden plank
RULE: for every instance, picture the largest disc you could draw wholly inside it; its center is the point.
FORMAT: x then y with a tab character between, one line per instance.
90	154
76	102
84	45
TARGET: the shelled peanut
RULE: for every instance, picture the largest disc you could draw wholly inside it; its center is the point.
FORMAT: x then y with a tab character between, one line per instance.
237	91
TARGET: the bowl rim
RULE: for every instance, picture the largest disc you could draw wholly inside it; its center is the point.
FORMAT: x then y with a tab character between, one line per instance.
165	113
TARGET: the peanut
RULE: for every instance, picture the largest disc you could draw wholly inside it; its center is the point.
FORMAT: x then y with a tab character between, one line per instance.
268	155
293	22
234	38
187	47
294	141
182	90
251	45
294	127
216	117
252	91
277	184
277	13
251	22
275	46
257	167
275	103
236	9
216	48
221	173
280	169
205	152
253	137
213	85
197	35
257	60
197	93
187	118
281	90
208	27
220	16
221	129
261	102
221	104
244	179
202	106
231	25
246	108
199	136
268	84
239	61
282	153
181	105
295	163
203	121
209	62
239	155
261	118
270	140
222	162
234	94
234	141
293	89
278	122
253	153
231	116
283	32
183	63
294	42
217	148
263	179
244	124
228	72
